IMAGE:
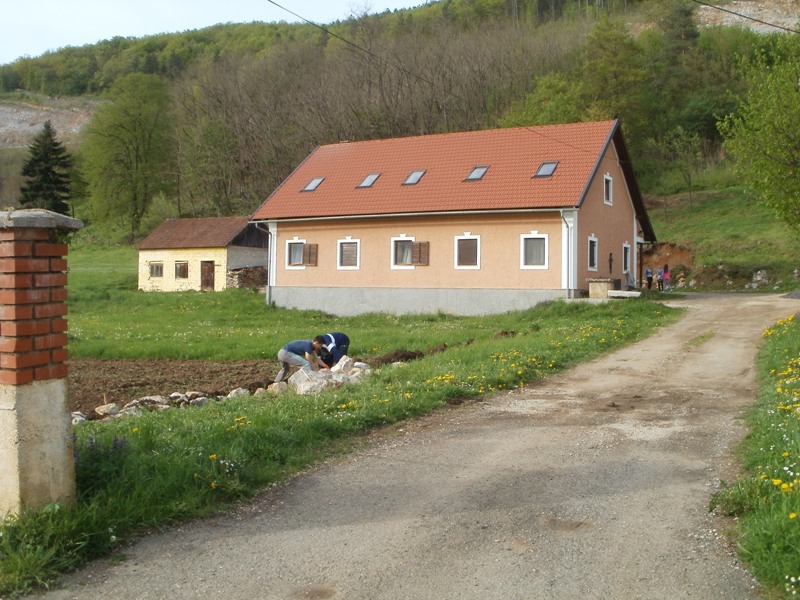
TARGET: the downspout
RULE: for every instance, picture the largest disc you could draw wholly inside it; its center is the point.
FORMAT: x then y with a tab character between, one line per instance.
569	259
268	293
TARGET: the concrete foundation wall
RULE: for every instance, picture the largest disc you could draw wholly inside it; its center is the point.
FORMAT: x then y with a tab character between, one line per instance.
354	301
37	466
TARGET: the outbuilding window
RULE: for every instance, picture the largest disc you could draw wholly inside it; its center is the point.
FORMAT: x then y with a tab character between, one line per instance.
181	270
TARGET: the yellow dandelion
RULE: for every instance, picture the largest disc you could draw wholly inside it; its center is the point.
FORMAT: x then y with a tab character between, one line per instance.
793	515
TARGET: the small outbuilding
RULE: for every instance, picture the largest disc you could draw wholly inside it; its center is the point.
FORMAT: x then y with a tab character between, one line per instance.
206	254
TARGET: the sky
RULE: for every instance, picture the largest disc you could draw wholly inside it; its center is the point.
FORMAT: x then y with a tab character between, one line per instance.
33	29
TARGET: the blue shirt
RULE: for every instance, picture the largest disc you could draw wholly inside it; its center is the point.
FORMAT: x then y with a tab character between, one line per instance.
335	343
300	347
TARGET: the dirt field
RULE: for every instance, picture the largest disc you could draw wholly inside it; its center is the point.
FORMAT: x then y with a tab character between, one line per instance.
593	484
94	382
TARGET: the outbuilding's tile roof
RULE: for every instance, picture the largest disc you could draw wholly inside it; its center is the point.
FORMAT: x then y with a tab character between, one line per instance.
512	156
210	232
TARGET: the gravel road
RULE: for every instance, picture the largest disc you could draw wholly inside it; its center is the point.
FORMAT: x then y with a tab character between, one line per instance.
594	484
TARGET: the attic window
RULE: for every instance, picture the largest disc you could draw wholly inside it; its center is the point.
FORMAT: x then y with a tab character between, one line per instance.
313	184
369	180
546	169
477	173
414	177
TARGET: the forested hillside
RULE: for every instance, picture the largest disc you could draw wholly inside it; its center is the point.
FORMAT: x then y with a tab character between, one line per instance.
237	106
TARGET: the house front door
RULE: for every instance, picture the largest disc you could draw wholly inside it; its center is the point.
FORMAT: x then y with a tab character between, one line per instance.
207	275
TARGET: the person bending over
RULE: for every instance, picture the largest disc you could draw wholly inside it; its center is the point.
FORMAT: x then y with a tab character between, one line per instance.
299	353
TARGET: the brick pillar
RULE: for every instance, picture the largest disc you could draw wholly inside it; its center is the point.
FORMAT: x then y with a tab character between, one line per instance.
36	462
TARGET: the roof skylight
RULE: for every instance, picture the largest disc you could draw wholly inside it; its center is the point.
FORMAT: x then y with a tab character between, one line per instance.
369	180
414	177
477	173
546	169
313	184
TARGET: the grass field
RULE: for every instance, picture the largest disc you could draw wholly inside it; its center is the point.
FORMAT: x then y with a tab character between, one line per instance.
159	469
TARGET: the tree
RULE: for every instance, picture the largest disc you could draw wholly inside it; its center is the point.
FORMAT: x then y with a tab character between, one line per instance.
128	149
764	136
47	173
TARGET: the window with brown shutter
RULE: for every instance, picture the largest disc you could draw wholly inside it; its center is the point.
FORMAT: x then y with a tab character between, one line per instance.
299	254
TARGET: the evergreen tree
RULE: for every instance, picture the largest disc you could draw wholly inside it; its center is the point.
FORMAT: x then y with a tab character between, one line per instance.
47	173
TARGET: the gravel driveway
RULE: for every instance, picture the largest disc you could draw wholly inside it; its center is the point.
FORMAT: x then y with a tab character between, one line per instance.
591	484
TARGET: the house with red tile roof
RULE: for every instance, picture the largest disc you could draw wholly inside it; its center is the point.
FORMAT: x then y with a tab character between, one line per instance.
475	222
207	254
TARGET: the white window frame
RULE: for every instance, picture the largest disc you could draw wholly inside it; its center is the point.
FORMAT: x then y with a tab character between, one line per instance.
156	265
534	234
626	257
348	240
290	267
401	238
608	189
467	236
593	243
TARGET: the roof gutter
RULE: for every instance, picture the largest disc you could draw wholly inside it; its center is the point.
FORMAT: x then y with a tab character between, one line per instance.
422	214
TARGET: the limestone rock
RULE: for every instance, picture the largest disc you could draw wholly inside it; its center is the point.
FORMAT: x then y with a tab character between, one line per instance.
107	410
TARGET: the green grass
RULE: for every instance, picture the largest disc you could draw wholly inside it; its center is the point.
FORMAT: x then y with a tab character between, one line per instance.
766	500
730	237
159	469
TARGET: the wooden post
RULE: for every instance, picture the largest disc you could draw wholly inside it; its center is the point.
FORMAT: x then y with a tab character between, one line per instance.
36	462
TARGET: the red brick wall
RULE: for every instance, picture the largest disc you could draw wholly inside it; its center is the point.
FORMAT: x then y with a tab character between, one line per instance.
33	306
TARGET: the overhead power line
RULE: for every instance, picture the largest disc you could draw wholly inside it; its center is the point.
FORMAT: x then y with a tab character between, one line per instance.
732	12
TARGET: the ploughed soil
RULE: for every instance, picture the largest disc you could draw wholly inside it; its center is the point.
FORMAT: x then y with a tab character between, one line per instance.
93	382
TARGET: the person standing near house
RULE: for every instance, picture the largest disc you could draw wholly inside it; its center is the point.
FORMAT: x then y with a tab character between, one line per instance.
299	353
667	284
648	274
660	279
334	346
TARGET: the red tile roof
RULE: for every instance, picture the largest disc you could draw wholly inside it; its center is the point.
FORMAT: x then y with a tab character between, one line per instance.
512	155
211	232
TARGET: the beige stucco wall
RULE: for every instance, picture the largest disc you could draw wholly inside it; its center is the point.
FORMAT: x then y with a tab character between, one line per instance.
35	446
233	257
499	252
